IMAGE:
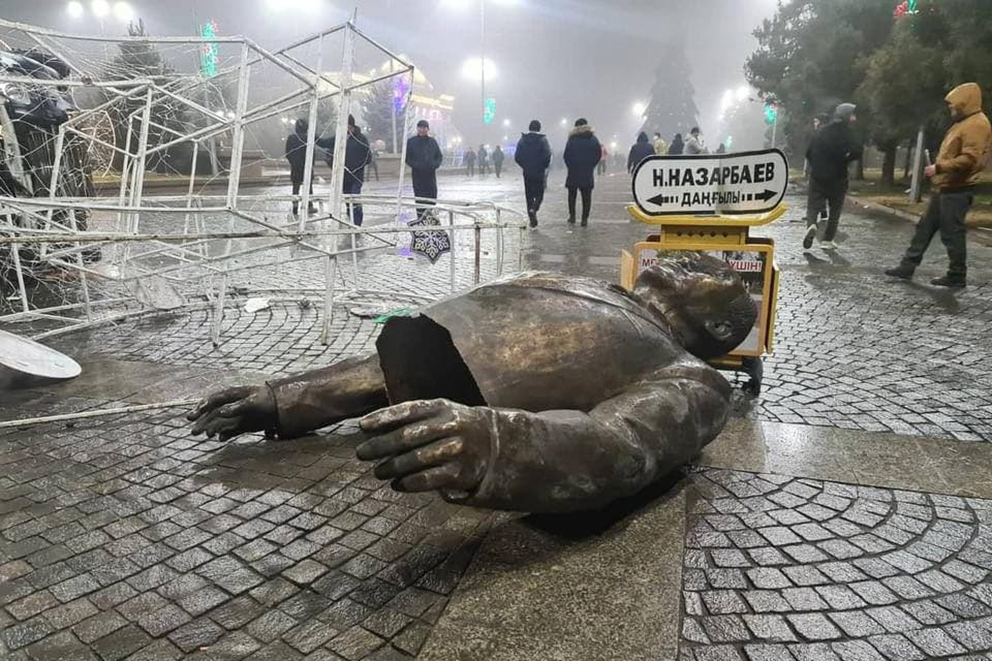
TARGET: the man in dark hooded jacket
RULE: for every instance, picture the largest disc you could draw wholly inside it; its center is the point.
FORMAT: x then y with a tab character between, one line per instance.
470	162
831	150
582	154
357	155
639	151
424	158
498	157
296	154
533	155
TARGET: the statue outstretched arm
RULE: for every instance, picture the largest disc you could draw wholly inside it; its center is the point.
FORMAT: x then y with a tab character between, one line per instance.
294	405
553	461
311	400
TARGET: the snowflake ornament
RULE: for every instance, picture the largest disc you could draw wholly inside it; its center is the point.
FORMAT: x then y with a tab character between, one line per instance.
431	243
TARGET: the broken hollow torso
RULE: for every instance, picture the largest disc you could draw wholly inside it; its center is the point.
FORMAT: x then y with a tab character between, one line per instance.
533	341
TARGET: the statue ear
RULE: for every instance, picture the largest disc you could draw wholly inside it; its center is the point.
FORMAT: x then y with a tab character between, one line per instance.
720	330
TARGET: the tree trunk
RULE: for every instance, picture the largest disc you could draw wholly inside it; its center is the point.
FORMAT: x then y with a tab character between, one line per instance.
889	167
859	173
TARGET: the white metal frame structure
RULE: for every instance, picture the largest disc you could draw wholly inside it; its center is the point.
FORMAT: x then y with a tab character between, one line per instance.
193	238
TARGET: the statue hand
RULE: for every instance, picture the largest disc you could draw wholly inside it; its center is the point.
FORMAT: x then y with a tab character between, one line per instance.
429	445
232	411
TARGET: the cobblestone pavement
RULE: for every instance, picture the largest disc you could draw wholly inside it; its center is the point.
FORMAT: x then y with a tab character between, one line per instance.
128	539
781	569
123	538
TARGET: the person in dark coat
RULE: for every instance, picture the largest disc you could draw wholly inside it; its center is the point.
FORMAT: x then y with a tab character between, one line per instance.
470	162
639	151
582	154
830	152
533	155
357	155
296	154
677	146
424	158
498	157
483	161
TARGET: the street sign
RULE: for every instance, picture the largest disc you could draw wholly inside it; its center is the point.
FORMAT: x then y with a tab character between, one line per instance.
727	184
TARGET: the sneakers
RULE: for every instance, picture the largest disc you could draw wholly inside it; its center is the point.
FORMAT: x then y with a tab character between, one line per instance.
828	245
810	235
901	272
952	281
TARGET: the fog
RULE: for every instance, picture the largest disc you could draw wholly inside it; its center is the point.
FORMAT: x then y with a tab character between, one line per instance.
553	59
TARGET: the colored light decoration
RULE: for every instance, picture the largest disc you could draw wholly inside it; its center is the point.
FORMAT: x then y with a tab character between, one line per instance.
209	50
771	112
489	111
401	90
906	8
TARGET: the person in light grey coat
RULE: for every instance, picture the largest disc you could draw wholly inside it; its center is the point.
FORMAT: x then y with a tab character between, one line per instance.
695	144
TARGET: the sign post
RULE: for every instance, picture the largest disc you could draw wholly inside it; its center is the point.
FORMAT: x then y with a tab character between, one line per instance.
708	204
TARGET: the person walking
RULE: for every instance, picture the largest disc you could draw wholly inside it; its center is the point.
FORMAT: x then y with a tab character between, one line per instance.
470	162
533	155
639	151
695	144
603	156
582	154
498	157
424	158
296	154
483	161
357	155
677	147
660	146
831	150
963	155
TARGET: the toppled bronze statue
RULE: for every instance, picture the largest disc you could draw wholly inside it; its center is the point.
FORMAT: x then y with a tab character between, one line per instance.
538	392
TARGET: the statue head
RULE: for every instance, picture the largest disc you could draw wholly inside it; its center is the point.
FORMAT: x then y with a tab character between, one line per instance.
702	298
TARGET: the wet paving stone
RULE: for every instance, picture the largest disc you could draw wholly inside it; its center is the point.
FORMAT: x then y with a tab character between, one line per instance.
891	617
162	533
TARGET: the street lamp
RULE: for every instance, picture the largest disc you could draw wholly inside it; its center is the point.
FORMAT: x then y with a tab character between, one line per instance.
638	109
506	123
100	8
475	68
123	11
564	122
75	9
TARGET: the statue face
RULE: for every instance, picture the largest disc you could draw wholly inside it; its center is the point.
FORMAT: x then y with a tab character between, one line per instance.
702	298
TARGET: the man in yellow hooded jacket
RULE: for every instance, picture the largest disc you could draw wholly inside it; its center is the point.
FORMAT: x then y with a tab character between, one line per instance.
963	155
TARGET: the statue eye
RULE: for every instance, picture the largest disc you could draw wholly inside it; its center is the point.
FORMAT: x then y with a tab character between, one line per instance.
723	328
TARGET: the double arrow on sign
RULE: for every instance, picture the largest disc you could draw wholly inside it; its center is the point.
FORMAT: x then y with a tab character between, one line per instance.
745	197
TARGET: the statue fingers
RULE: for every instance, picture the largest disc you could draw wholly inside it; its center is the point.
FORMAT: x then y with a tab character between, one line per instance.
234	410
217	399
435	454
431	479
399	415
214	423
406	438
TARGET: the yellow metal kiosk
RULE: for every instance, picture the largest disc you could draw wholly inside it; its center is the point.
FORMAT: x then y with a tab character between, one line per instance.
709	204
